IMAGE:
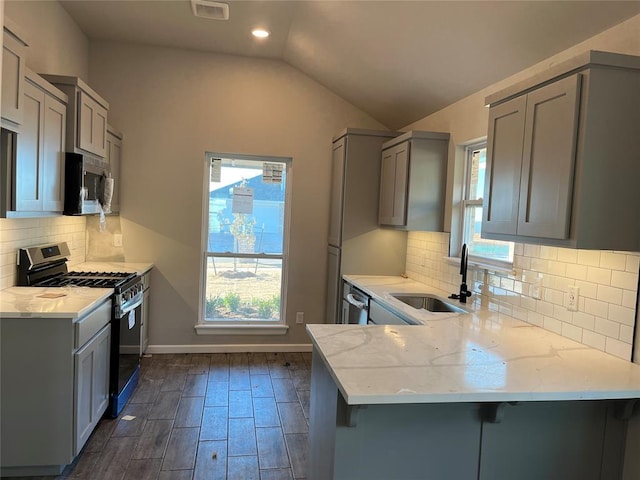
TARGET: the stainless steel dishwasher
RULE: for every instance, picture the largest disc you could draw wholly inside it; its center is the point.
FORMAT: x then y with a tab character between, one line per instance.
355	305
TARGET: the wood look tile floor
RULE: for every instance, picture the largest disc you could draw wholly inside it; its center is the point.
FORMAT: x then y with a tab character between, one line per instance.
221	416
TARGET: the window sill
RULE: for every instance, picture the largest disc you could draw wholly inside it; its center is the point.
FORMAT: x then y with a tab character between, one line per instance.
227	329
502	267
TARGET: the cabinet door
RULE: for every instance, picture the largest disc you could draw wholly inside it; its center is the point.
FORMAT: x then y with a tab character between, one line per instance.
548	160
337	192
91	385
504	164
113	158
378	315
28	173
53	155
92	125
565	440
12	79
393	185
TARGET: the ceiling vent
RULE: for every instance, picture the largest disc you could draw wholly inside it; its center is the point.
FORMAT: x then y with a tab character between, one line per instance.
210	9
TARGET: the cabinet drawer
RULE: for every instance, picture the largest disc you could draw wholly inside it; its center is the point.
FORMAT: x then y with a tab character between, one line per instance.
378	315
88	326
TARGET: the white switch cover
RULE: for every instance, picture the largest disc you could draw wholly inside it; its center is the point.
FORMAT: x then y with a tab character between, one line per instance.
299	317
572	299
117	239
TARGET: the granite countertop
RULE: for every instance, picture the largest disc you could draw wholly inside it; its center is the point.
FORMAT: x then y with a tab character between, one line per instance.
482	356
63	302
59	302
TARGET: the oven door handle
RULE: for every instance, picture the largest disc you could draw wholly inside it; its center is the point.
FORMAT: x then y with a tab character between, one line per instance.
356	302
139	297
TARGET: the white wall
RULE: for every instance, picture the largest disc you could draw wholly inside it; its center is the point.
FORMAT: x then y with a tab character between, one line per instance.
173	105
56	43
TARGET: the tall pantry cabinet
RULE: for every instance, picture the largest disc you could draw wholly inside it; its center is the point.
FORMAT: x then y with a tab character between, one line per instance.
356	244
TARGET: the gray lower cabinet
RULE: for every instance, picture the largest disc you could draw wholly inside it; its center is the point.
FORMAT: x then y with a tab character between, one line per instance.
378	315
91	385
564	440
581	440
413	181
562	157
54	387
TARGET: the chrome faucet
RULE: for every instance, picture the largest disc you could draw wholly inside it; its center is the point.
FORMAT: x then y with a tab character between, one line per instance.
464	291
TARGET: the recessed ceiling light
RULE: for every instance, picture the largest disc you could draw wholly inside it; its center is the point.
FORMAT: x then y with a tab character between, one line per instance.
260	33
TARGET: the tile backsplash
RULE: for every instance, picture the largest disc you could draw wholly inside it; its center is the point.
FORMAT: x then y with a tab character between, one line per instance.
607	281
16	233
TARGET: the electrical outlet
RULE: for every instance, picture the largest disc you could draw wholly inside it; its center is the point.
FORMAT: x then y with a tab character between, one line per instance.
117	239
572	299
299	317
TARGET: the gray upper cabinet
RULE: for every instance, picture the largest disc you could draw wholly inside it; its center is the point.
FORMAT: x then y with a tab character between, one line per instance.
37	177
13	64
337	191
86	116
413	181
562	162
113	158
531	151
393	185
354	185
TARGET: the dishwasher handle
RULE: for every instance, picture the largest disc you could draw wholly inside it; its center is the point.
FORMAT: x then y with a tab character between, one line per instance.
357	302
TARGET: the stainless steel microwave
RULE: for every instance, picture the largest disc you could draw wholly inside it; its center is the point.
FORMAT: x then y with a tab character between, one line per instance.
84	184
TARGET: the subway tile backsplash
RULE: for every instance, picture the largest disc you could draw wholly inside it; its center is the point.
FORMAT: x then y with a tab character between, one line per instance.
608	283
16	233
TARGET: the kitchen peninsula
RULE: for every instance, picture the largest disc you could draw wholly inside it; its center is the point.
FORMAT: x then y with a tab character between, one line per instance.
478	395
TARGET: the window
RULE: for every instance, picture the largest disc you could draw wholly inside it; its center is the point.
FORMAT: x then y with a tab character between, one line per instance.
480	249
246	230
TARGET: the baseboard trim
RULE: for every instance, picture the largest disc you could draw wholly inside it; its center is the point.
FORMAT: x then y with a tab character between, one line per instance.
231	348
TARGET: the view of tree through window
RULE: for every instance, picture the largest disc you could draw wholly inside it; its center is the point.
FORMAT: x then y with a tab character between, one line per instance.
245	239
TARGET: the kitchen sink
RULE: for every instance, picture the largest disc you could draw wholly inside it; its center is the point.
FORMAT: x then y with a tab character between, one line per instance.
428	302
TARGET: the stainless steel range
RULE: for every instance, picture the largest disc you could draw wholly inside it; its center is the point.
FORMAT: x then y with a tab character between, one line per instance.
46	266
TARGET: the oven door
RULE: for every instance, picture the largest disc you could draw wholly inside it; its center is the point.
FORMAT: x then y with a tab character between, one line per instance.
125	357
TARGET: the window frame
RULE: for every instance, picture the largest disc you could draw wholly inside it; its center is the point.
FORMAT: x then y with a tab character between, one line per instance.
467	203
243	327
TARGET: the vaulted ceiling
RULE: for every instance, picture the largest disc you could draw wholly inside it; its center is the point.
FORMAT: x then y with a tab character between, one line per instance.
396	60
